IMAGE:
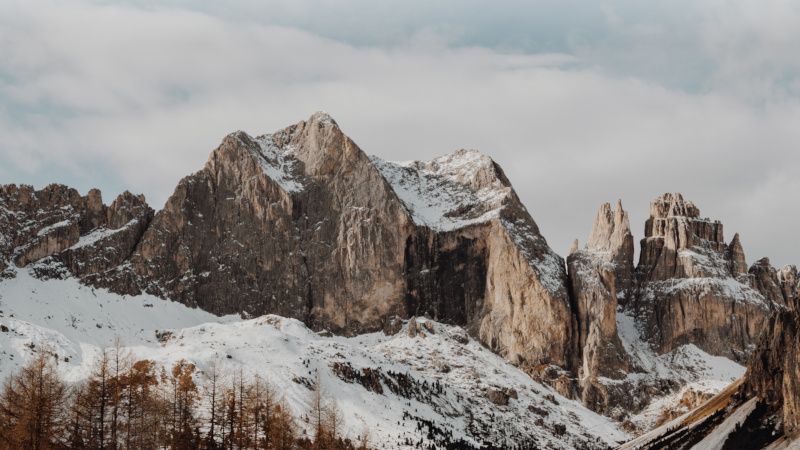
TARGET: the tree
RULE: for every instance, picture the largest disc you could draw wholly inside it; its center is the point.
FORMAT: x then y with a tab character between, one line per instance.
140	405
120	363
142	408
317	414
32	407
184	394
326	418
284	431
211	392
363	439
92	406
263	411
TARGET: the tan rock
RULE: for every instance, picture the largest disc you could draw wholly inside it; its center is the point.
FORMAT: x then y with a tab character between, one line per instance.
611	238
690	284
595	275
764	278
789	280
303	224
735	256
774	371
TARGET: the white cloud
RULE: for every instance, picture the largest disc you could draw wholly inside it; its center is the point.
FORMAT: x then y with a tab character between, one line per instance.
136	98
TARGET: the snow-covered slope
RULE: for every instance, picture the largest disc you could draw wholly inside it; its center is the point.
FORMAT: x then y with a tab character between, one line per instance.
448	192
76	320
688	375
427	375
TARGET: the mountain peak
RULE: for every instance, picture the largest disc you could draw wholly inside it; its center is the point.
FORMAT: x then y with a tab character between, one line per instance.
611	229
322	118
672	205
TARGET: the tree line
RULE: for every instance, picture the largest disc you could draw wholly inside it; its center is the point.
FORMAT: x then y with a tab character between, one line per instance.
128	404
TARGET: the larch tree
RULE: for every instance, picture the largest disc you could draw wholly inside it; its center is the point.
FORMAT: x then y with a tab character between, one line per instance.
33	413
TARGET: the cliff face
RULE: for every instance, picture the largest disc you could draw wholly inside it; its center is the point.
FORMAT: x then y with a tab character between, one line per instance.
58	225
298	223
774	371
773	374
303	224
599	274
690	284
789	280
689	287
477	258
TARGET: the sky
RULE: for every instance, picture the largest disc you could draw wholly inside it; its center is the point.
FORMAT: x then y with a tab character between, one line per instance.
580	102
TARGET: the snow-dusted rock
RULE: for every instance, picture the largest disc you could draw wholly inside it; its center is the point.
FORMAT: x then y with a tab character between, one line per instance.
302	223
599	275
78	231
612	241
690	286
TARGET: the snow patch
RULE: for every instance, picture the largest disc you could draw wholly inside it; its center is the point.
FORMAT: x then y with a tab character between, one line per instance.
687	365
277	163
99	234
53	227
448	192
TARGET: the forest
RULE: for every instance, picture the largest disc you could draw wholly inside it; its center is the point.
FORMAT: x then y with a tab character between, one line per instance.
136	404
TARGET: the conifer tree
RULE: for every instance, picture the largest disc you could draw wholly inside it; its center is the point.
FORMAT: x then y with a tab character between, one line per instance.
32	407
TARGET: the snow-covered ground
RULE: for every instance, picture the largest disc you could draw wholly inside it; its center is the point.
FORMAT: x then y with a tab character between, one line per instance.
695	370
437	375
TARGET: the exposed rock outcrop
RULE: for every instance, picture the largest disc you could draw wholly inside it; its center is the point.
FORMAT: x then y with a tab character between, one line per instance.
735	257
688	288
303	224
611	238
111	242
764	279
598	275
477	258
759	411
774	371
789	280
690	284
298	223
80	231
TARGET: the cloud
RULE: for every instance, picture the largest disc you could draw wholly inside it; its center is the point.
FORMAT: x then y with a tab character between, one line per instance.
129	97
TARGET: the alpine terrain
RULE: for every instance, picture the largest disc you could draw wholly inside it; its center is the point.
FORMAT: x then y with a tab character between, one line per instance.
418	300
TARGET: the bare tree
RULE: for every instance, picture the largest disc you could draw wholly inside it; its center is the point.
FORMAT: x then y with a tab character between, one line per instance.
212	394
33	414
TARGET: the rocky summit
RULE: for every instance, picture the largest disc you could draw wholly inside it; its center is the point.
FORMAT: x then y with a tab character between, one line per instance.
302	224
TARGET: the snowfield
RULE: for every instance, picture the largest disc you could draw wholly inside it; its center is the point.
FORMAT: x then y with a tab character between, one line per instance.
432	377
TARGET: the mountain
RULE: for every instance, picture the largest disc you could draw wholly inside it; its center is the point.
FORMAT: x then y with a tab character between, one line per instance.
759	411
303	224
433	268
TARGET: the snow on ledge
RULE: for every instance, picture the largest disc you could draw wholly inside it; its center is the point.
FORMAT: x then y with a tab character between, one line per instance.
449	192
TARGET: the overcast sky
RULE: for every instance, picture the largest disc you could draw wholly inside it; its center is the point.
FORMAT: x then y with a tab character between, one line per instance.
581	102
